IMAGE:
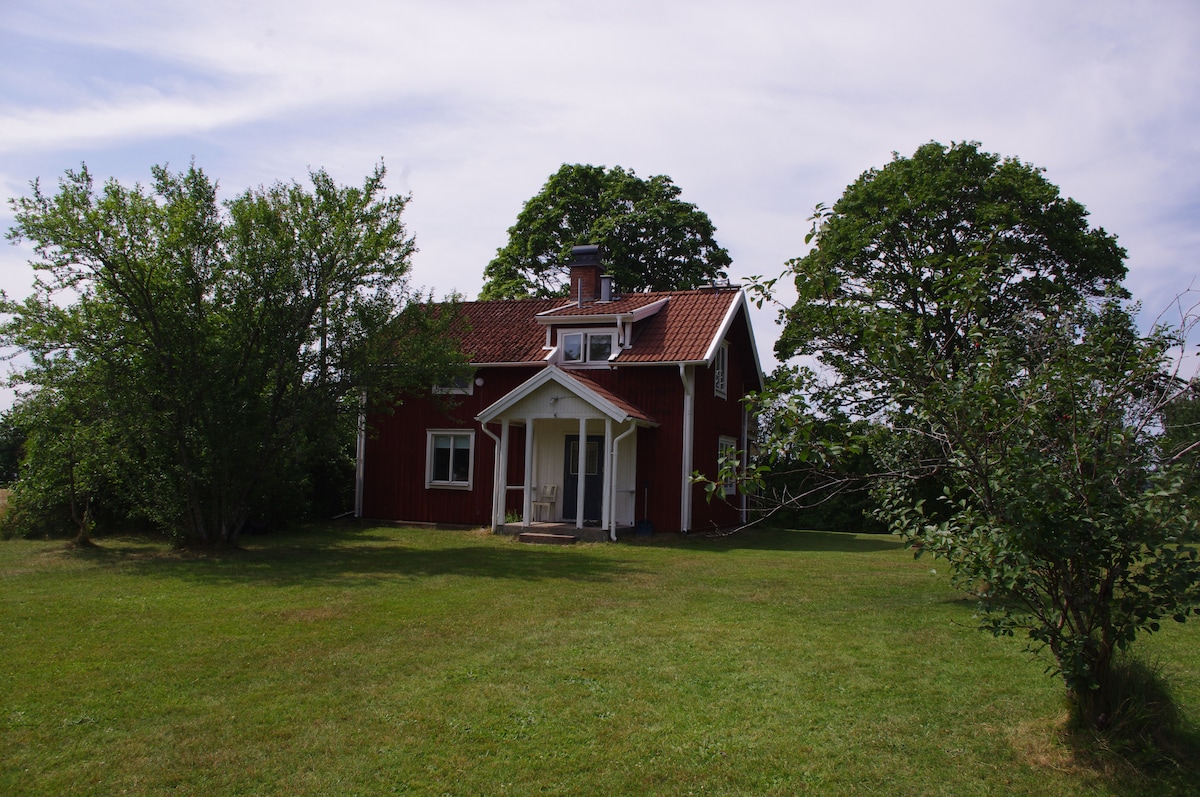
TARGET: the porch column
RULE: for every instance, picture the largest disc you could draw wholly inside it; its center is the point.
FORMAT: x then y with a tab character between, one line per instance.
527	504
582	470
606	506
502	479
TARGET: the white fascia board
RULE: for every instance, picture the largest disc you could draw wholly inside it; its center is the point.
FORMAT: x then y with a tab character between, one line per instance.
650	309
548	318
553	374
518	364
596	320
553	310
726	323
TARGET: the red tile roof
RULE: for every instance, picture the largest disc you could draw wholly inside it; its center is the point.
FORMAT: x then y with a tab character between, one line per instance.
682	331
631	409
504	331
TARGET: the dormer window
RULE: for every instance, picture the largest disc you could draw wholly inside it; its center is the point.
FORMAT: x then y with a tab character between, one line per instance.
587	347
600	347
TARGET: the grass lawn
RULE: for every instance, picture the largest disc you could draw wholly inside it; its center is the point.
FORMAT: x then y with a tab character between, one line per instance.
365	660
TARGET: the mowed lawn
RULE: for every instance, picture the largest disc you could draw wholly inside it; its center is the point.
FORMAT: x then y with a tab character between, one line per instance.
366	660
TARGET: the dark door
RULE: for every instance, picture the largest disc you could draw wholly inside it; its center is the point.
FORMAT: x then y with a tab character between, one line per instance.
593	480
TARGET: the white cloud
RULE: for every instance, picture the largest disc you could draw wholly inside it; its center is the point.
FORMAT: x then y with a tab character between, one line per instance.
758	111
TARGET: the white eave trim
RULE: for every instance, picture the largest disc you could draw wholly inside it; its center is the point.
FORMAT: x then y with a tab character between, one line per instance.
517	364
552	373
650	309
726	323
548	317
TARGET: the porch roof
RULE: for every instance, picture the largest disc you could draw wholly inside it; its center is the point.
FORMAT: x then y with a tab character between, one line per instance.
604	400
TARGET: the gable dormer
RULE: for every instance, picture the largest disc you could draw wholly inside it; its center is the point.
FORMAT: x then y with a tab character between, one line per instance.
598	333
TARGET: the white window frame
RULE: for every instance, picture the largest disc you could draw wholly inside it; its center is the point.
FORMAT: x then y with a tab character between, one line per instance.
725	446
585	346
449	484
612	346
564	336
721	372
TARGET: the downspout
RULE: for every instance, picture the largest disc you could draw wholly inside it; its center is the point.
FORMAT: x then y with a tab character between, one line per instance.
360	455
612	502
688	376
495	471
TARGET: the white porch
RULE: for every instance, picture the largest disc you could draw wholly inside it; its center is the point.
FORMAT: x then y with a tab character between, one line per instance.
579	459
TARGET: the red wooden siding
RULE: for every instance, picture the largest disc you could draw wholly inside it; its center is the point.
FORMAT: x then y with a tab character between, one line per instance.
394	460
395	454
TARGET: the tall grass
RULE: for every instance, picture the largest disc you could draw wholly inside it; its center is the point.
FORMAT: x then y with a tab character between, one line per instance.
358	660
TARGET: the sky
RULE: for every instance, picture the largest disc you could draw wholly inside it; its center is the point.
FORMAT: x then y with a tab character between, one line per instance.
757	110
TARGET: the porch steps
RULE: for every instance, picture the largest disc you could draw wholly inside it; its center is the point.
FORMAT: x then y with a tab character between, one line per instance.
545	538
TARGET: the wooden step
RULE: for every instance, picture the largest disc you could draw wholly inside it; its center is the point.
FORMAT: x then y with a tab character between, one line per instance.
545	538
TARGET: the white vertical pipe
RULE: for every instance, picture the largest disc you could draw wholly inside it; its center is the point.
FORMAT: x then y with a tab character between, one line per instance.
616	446
687	373
495	472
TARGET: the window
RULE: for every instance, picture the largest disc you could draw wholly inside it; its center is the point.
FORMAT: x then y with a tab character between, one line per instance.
573	347
450	455
599	348
586	347
461	385
721	372
726	451
591	458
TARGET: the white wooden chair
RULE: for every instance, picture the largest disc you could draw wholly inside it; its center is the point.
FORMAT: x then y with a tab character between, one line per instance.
545	500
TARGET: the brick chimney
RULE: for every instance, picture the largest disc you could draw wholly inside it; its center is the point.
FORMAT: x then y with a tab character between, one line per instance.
585	273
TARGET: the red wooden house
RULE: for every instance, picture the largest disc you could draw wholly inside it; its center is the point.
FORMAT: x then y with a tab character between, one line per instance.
651	383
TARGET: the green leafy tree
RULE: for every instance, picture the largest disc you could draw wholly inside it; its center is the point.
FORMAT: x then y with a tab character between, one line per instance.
889	263
1181	420
1062	509
212	351
12	443
67	461
961	306
652	239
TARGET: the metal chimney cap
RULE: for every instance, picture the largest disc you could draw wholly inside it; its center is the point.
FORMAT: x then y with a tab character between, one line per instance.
586	255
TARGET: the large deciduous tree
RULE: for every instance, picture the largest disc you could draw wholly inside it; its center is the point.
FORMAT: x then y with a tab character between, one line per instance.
210	355
890	254
652	239
970	315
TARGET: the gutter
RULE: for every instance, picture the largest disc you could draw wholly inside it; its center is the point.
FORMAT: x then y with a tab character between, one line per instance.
495	473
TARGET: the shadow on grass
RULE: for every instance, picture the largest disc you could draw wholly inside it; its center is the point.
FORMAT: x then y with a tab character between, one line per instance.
775	539
1168	764
353	556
